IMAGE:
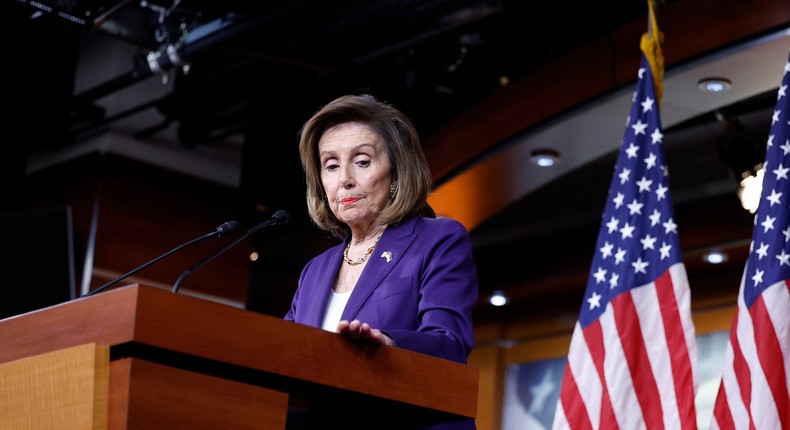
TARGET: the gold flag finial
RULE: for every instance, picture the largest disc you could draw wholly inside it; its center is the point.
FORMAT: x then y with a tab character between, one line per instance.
651	47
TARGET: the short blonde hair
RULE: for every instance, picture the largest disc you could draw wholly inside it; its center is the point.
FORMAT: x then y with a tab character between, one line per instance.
408	167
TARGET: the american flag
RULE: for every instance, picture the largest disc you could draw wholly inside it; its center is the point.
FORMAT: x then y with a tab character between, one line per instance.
632	357
755	385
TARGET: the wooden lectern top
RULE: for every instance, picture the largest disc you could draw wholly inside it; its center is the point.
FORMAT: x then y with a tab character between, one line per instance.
160	326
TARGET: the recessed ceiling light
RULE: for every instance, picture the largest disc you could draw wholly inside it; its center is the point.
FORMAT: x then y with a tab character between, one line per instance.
544	157
498	298
715	256
714	85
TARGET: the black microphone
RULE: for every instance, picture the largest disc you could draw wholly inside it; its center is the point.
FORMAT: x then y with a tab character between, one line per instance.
279	217
225	229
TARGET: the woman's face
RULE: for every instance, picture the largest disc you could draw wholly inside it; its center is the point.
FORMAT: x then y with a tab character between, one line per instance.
355	172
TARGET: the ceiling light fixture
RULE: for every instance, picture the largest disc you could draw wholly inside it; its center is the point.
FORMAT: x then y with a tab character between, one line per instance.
714	85
744	156
544	157
715	256
498	298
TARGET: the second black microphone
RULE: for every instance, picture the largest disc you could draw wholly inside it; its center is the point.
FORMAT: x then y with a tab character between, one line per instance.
280	217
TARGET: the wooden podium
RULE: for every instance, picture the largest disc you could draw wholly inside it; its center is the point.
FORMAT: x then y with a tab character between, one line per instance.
145	358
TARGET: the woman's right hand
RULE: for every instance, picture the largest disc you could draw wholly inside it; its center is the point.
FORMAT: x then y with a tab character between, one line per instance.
363	331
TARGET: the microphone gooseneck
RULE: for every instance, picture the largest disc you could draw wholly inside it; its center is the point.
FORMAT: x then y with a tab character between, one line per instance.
279	217
223	230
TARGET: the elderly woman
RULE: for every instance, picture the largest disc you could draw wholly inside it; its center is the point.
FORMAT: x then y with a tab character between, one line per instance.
401	277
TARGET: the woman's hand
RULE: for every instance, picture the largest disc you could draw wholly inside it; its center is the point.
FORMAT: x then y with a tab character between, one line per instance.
363	331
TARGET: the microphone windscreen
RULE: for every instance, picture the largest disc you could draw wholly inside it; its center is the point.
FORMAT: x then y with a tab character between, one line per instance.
280	217
228	227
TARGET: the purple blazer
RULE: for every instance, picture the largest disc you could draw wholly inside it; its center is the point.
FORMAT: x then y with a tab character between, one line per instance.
418	286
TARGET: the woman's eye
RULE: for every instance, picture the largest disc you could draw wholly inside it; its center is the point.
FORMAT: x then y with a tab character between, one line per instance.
363	163
330	166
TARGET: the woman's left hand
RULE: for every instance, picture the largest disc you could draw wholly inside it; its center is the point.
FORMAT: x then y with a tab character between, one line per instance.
363	331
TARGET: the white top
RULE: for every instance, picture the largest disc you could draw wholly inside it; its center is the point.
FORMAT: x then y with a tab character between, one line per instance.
337	302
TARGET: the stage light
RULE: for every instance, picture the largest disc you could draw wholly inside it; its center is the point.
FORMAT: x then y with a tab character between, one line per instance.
750	189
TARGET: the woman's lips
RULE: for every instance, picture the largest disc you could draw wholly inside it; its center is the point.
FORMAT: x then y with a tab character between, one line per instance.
349	200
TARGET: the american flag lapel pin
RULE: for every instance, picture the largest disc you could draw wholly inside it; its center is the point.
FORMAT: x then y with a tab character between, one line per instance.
387	255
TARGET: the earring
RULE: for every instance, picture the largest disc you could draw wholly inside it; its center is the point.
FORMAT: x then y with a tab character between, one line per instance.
393	187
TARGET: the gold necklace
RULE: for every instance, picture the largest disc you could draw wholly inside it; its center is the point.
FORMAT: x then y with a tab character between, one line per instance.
364	256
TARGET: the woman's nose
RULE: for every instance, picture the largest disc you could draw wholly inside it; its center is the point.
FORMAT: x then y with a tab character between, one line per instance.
347	177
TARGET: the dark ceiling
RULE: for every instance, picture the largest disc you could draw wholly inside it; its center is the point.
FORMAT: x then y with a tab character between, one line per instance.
257	70
432	59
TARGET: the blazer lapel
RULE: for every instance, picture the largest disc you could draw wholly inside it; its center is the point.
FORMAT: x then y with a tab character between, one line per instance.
388	253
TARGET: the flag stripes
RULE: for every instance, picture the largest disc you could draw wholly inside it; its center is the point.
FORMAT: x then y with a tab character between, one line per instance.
649	400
